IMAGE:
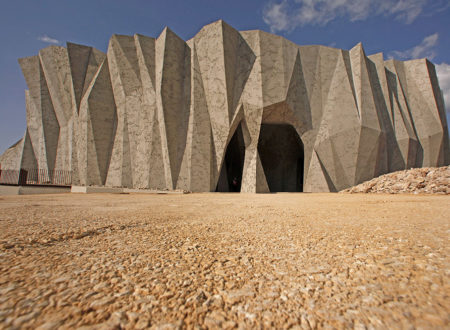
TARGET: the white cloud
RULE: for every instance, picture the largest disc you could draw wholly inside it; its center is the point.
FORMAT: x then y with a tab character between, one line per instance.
290	14
424	49
276	15
47	39
443	73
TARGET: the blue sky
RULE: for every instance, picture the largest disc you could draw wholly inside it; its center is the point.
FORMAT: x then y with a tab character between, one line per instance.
402	29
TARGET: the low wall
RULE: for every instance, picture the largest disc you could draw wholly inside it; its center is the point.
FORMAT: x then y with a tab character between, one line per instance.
96	189
30	190
93	189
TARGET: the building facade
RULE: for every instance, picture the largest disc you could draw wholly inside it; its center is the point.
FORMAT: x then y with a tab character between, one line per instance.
227	110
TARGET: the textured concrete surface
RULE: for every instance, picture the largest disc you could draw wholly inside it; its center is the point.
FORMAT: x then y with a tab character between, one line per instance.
224	261
160	113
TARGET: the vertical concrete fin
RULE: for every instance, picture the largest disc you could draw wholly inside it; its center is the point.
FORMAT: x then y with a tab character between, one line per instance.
103	118
57	72
50	124
96	59
424	111
316	180
78	61
145	48
98	121
200	133
337	139
357	62
238	62
34	127
156	170
56	66
444	157
209	43
402	126
28	160
128	95
297	98
175	86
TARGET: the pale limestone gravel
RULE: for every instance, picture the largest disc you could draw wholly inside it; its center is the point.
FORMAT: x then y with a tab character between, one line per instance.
224	261
425	180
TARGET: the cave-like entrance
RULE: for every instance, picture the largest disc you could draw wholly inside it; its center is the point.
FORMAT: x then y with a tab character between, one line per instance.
282	157
230	177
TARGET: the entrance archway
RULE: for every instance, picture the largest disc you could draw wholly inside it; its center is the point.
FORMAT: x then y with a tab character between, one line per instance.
230	177
282	157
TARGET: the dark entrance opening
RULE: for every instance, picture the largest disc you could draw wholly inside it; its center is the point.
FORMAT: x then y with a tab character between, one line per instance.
282	157
230	177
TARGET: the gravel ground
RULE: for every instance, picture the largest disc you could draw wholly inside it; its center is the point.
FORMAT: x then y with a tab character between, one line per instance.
424	180
224	261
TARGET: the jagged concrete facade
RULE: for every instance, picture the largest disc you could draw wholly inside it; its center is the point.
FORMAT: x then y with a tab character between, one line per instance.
164	113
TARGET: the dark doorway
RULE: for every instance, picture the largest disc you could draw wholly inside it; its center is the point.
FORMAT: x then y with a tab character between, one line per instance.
282	157
230	177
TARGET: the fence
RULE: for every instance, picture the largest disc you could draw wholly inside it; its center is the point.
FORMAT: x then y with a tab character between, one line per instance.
36	176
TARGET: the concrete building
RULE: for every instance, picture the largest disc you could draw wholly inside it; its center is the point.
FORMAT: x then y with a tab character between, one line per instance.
227	110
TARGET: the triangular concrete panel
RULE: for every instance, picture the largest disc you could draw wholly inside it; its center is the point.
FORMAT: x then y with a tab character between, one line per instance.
56	67
98	116
127	87
297	97
174	81
96	58
78	60
28	157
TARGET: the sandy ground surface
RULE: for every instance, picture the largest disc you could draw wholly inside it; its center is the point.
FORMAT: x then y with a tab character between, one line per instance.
224	261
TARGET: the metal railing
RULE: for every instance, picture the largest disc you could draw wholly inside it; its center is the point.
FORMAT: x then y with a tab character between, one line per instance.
36	176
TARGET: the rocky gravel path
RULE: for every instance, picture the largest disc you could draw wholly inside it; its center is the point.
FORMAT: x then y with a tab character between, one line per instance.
135	261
